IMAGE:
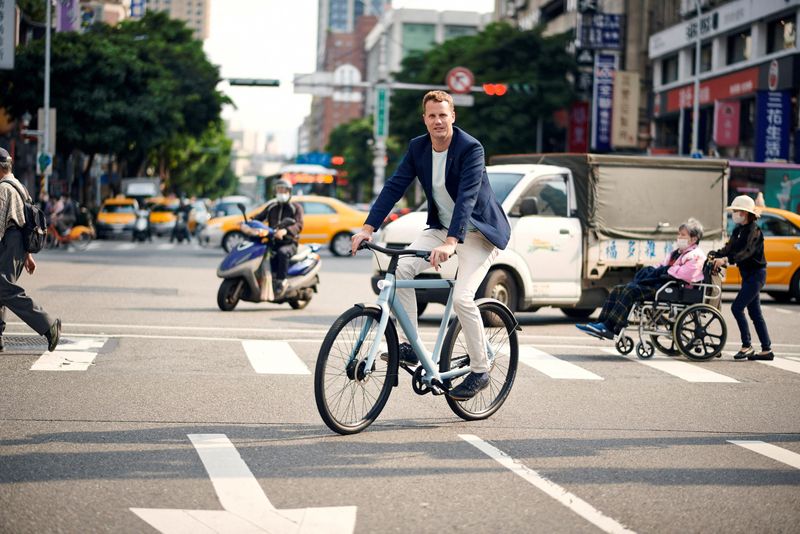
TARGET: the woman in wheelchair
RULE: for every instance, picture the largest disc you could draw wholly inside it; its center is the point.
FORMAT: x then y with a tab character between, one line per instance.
745	248
685	263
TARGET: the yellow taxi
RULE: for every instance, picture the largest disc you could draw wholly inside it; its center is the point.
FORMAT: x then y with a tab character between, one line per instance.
116	217
781	230
326	221
162	214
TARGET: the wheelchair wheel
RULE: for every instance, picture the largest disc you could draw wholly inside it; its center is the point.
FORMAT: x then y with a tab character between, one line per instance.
645	350
665	345
624	345
700	332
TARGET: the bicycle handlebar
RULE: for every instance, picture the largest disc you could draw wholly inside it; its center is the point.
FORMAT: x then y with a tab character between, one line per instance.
425	254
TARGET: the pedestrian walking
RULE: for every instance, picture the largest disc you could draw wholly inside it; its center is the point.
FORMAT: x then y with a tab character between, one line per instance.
745	249
13	258
464	217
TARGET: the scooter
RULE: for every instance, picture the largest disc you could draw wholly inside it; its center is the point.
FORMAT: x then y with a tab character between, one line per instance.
246	273
141	227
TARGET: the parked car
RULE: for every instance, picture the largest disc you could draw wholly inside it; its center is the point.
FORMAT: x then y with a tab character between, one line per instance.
781	230
116	217
325	220
228	205
162	215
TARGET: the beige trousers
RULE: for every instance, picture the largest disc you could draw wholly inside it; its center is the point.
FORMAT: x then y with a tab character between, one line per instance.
475	256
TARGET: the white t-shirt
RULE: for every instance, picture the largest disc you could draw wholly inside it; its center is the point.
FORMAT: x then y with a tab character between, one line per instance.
441	197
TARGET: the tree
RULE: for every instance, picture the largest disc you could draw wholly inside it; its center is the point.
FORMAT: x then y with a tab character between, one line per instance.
499	54
353	141
124	90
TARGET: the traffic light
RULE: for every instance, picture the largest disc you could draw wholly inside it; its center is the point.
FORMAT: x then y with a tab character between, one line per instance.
337	160
495	89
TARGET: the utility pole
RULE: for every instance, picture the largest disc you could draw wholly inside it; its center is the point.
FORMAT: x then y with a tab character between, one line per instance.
381	119
46	137
696	96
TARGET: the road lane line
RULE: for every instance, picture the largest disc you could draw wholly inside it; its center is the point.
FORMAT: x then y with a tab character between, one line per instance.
683	370
570	500
552	366
770	451
783	363
274	358
125	246
781	310
77	356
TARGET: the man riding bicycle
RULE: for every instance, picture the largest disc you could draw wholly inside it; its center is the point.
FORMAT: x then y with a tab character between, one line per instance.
464	217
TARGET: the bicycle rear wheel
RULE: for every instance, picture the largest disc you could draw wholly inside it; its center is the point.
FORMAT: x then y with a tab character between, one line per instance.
82	242
348	398
504	344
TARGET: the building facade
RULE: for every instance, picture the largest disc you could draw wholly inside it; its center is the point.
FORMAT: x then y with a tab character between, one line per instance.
341	16
749	76
196	13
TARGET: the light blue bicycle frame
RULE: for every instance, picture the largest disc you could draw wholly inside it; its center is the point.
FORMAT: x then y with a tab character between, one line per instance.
387	303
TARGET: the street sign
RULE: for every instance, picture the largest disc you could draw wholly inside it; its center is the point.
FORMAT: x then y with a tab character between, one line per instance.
45	161
464	101
585	56
381	112
460	80
254	82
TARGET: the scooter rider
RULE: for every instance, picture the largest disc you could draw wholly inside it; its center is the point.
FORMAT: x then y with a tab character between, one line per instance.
285	238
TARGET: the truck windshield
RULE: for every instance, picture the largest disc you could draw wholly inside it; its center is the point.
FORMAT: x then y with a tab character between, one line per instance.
502	183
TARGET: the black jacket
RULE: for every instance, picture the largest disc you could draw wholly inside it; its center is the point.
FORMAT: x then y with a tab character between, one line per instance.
745	248
274	212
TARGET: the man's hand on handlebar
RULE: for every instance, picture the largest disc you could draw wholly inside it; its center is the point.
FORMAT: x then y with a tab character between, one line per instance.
364	235
442	253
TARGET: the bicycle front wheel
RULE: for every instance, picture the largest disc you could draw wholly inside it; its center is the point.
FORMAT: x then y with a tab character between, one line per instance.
501	334
349	398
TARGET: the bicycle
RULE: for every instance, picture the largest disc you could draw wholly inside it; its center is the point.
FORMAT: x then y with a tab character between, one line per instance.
352	383
79	236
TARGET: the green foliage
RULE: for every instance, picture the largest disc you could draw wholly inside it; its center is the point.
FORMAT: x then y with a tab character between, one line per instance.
499	54
126	90
36	10
197	166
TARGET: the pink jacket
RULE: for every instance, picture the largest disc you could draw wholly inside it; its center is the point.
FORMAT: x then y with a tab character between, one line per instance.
689	265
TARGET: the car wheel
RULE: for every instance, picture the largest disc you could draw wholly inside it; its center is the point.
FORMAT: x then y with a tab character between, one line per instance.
578	313
500	285
780	296
232	240
794	287
341	244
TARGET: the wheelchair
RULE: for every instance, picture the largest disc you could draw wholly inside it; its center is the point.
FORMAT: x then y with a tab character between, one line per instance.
679	320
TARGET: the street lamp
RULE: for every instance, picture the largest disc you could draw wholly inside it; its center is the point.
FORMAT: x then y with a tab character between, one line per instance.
696	96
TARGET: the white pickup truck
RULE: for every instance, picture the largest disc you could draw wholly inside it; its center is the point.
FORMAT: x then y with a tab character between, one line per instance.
580	224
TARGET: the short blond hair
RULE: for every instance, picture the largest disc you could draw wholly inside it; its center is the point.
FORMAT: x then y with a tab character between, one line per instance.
437	96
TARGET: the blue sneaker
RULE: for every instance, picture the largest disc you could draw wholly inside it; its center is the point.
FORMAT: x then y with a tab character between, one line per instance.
474	383
598	330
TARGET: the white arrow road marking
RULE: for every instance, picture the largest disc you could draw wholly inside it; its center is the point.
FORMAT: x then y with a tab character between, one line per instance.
77	356
247	508
571	501
683	370
274	358
552	366
771	451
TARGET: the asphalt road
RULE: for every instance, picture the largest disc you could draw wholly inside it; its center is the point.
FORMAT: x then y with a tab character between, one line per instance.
157	414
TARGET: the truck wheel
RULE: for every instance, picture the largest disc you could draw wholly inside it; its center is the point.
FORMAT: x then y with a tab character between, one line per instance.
578	313
501	286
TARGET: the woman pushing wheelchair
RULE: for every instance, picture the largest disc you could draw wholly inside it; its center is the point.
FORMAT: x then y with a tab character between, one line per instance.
684	264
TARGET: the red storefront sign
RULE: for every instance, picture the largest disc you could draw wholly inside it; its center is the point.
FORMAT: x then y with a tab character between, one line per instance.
733	85
726	122
578	132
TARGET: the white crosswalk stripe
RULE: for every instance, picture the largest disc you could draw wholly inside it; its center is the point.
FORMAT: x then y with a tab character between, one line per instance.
552	366
683	370
792	365
74	356
770	451
274	358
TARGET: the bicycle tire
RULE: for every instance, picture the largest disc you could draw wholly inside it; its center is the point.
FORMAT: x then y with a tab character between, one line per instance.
503	339
347	403
82	242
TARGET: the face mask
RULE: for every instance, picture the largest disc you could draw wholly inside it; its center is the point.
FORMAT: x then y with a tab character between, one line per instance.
682	243
283	197
738	218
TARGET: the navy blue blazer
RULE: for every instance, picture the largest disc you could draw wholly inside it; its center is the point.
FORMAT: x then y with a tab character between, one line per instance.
465	180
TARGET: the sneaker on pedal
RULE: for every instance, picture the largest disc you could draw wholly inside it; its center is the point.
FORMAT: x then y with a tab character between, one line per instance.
471	386
407	355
